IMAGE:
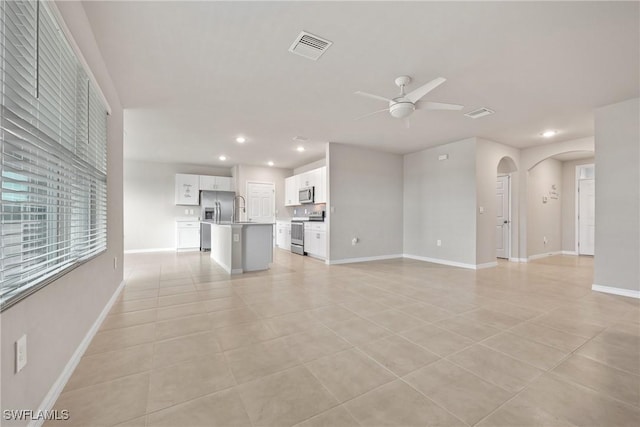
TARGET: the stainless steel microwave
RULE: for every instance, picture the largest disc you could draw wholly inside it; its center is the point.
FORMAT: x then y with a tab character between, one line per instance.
305	195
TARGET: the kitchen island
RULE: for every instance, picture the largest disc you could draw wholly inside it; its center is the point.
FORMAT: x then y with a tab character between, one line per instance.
239	247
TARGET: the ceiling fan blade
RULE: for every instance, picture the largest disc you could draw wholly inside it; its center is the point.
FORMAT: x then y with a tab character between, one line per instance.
426	105
370	95
371	114
417	94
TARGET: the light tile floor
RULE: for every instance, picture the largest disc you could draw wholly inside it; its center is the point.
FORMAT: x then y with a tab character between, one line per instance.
396	342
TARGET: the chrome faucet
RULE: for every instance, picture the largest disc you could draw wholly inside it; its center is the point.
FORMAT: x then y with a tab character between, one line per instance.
243	207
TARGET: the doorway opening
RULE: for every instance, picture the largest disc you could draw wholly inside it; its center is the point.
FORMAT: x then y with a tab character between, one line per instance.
506	167
585	209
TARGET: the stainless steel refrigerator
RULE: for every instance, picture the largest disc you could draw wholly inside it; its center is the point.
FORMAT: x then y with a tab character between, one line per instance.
220	203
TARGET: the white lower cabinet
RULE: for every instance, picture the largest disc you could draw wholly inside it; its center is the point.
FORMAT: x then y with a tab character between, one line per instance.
187	235
315	239
283	235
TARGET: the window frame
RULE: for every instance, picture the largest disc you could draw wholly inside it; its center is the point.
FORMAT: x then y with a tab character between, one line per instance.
69	193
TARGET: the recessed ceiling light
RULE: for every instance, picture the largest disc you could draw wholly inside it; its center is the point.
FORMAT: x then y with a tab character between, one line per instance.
549	133
240	139
223	158
300	148
270	163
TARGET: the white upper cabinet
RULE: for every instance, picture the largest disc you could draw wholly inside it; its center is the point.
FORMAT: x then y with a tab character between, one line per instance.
187	189
306	179
321	187
291	188
216	183
207	183
316	178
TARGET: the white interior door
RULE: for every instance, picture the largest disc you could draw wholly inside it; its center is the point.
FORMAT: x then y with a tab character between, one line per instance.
502	221
261	202
586	216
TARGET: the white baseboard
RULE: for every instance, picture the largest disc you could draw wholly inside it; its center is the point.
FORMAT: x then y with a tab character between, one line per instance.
453	263
236	271
63	378
364	259
487	265
441	261
616	291
142	251
518	260
569	253
544	255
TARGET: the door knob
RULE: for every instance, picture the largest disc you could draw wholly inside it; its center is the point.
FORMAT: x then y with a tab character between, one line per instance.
506	222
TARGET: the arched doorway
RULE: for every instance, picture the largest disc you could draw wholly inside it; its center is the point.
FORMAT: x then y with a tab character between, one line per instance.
560	204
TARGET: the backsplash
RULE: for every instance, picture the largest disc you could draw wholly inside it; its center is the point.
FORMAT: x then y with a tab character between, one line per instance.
302	211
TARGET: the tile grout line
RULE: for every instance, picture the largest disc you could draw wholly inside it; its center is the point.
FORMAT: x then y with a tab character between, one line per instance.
546	372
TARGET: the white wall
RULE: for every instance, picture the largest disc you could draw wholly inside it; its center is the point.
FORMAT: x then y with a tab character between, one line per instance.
310	166
529	157
57	318
617	234
365	189
244	174
149	202
569	203
488	156
440	203
544	219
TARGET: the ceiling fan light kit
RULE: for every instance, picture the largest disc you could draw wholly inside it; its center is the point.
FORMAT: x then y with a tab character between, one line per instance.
400	109
405	104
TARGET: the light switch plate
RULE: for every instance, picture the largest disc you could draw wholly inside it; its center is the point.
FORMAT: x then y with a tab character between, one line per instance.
236	237
21	353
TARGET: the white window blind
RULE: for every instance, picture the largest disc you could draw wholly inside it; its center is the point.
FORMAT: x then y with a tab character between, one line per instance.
53	164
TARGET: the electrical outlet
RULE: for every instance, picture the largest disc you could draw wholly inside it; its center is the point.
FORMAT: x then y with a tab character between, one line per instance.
544	240
481	209
438	242
21	353
236	237
333	209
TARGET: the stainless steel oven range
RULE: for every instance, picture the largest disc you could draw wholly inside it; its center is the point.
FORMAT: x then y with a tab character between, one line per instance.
297	237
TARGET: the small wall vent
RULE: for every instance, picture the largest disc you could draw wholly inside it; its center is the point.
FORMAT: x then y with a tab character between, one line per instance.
309	46
480	112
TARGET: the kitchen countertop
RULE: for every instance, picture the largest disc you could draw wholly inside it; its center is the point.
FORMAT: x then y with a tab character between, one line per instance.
187	218
211	222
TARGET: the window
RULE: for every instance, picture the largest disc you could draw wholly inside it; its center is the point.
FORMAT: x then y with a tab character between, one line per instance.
53	158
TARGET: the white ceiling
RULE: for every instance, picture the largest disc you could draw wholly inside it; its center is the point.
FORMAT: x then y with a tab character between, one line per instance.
194	75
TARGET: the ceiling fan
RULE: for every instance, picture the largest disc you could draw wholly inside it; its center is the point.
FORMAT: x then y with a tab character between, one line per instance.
402	106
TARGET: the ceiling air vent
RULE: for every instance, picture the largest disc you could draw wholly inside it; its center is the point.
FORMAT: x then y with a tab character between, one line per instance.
480	112
309	46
